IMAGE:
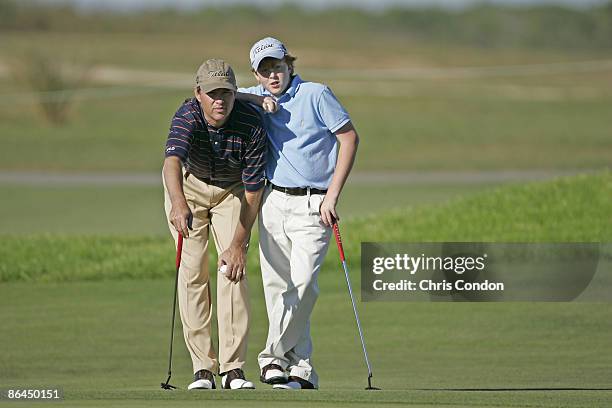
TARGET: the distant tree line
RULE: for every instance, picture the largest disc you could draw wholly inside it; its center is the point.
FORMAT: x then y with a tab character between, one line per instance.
481	25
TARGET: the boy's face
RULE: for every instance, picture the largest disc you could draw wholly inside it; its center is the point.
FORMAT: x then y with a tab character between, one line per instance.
273	74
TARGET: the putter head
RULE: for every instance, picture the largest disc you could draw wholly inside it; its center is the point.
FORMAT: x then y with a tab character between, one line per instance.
369	387
167	386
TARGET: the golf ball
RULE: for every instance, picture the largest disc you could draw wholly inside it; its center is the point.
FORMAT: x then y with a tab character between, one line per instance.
223	269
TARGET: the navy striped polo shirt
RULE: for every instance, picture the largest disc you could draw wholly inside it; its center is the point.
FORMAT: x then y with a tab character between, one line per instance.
223	156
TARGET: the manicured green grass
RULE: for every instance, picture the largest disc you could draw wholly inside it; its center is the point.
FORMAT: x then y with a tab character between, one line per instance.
105	342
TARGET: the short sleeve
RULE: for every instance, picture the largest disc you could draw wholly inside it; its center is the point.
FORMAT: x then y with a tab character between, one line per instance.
180	137
332	113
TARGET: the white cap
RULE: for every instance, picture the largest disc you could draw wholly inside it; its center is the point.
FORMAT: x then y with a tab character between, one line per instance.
268	47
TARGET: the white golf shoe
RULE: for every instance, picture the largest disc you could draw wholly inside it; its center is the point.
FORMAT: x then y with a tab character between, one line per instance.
273	374
289	386
234	380
203	380
295	383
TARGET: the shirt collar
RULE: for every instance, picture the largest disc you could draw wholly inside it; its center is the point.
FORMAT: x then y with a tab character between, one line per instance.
293	87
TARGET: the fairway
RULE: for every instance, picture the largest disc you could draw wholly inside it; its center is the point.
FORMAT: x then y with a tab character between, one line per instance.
102	335
105	343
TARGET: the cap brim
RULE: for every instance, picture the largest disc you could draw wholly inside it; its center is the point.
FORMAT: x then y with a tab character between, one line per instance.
278	54
206	88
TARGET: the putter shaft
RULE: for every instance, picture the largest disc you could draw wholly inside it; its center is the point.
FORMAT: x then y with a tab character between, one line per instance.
179	251
348	283
363	346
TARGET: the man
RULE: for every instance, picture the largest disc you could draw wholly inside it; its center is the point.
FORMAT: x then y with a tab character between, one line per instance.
306	172
213	179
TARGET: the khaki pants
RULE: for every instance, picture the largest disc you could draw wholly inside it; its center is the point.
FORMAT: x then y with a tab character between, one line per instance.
218	210
292	245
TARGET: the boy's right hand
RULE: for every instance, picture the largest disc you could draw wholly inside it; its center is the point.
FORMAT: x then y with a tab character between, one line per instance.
269	104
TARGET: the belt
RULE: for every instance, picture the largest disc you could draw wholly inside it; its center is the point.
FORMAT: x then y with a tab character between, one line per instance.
202	179
298	191
217	183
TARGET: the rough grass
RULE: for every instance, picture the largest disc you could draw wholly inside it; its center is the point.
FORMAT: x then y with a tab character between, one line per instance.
543	120
567	209
430	128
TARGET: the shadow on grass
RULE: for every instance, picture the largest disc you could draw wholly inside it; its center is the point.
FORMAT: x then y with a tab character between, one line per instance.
514	389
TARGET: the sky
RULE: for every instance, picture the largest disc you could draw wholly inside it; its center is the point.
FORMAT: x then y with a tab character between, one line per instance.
365	4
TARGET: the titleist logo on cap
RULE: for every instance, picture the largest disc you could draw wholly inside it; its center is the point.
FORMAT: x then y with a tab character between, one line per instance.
220	73
262	47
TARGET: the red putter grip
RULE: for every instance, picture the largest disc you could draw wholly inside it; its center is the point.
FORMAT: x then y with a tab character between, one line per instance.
339	241
179	250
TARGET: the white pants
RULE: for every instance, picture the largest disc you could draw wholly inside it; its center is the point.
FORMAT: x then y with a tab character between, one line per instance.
293	242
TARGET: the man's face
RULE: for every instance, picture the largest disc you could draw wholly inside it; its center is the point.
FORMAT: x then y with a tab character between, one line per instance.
273	74
216	104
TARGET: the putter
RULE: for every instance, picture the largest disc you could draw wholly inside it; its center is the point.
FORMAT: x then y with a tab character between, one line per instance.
348	283
179	251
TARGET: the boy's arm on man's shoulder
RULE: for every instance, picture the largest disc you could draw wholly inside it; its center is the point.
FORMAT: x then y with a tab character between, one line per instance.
249	97
267	103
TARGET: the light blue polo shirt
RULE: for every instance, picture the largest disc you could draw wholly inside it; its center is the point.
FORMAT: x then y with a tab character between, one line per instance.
303	149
